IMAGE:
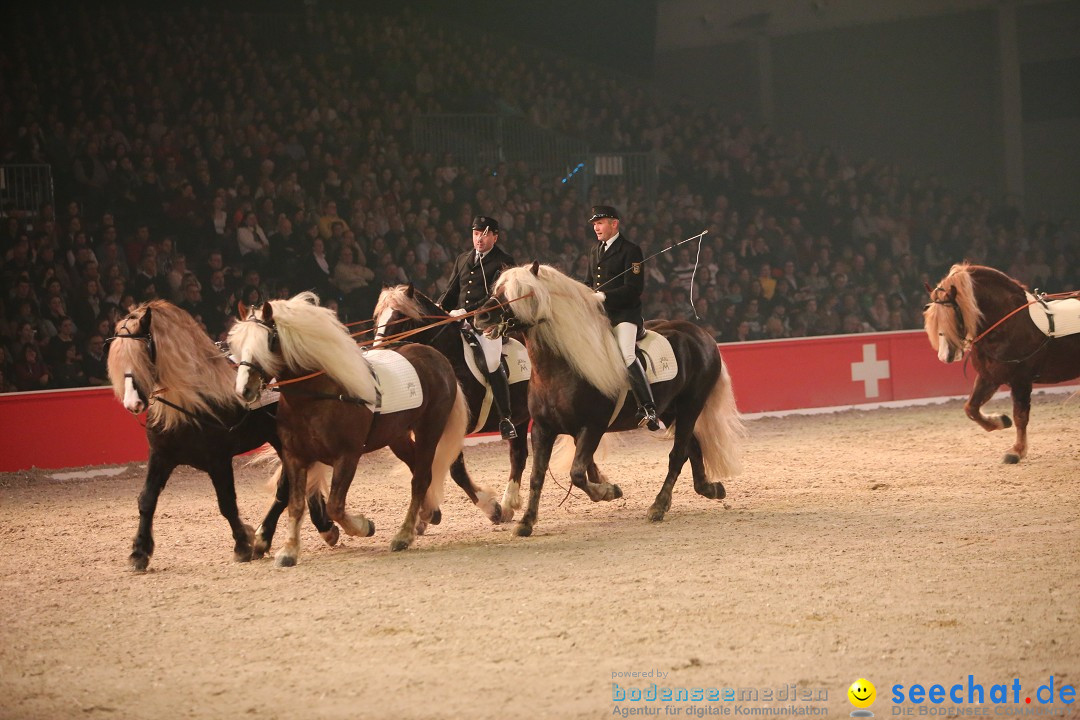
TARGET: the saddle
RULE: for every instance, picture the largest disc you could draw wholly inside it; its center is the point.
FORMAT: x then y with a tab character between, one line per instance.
657	357
397	385
515	359
1054	318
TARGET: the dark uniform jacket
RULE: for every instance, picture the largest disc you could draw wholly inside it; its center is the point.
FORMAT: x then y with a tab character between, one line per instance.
623	294
467	287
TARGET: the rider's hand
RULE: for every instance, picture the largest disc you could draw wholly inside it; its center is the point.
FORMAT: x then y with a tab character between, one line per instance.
457	312
600	296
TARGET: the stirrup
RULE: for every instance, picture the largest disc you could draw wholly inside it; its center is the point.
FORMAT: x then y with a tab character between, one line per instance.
507	429
649	418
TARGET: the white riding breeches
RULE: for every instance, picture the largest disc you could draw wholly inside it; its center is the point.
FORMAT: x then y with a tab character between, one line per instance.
492	350
626	334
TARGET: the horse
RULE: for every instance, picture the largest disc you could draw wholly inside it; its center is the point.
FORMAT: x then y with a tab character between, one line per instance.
579	385
978	312
330	411
163	362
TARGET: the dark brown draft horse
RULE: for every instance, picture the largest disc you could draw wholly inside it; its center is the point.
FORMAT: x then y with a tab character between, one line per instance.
969	311
578	377
162	361
325	413
405	310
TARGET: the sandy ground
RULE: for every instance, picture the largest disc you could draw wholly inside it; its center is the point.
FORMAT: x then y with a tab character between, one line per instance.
890	545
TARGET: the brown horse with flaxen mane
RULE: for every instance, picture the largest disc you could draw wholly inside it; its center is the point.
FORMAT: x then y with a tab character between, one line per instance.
981	313
330	413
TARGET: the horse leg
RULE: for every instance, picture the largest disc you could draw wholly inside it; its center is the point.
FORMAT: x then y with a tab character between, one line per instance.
483	499
421	481
704	488
355	525
264	534
157	474
543	440
1021	397
519	453
982	391
297	472
405	450
225	488
680	451
584	446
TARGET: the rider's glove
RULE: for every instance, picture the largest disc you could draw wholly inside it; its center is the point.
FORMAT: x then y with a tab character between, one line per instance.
600	296
458	312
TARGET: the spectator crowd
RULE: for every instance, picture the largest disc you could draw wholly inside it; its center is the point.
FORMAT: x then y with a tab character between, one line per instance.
208	157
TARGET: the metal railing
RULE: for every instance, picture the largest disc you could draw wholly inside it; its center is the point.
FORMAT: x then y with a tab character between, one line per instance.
25	188
606	172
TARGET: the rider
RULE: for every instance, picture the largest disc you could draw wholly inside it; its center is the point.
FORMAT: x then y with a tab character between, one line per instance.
474	276
617	277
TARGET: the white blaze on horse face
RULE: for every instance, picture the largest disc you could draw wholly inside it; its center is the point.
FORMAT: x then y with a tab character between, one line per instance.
380	325
944	352
132	401
242	372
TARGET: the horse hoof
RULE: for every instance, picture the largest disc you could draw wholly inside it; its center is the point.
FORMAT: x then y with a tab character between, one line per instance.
421	527
285	561
399	544
523	530
371	528
331	536
506	514
259	548
139	561
655	514
1006	422
436	516
1011	459
617	492
243	554
496	515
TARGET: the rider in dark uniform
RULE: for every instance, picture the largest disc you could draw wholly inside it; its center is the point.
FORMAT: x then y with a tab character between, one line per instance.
617	276
475	273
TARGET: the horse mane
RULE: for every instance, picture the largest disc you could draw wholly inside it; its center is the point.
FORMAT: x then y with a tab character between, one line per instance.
567	317
312	338
189	370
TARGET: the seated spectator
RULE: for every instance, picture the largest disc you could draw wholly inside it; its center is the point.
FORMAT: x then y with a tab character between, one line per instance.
69	372
31	372
94	361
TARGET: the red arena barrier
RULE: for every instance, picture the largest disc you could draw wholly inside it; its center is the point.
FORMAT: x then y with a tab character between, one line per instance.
87	426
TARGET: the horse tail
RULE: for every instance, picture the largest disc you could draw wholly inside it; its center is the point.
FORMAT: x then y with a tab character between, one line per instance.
449	447
564	449
719	429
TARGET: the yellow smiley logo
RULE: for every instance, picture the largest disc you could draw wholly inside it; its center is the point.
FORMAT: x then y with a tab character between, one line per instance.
862	693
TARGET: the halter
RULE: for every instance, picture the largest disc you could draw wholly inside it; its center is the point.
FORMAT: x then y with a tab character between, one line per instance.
147	337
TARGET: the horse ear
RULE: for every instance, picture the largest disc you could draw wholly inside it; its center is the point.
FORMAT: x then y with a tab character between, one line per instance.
929	290
242	310
146	318
535	269
267	312
952	294
410	291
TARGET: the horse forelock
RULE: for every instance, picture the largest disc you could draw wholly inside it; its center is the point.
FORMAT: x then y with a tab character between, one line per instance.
395	298
567	318
129	355
312	338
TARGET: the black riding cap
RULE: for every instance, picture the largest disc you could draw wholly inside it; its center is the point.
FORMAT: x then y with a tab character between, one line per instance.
482	222
603	211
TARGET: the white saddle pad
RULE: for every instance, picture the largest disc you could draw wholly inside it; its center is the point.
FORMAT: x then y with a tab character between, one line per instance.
1055	318
660	363
396	382
518	368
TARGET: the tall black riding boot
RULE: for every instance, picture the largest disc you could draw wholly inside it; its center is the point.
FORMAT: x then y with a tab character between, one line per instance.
643	394
500	391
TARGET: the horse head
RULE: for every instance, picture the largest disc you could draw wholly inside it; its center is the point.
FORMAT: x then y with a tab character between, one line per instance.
132	358
944	324
402	307
254	341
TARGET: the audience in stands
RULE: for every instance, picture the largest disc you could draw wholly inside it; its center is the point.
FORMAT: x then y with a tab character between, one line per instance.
206	157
